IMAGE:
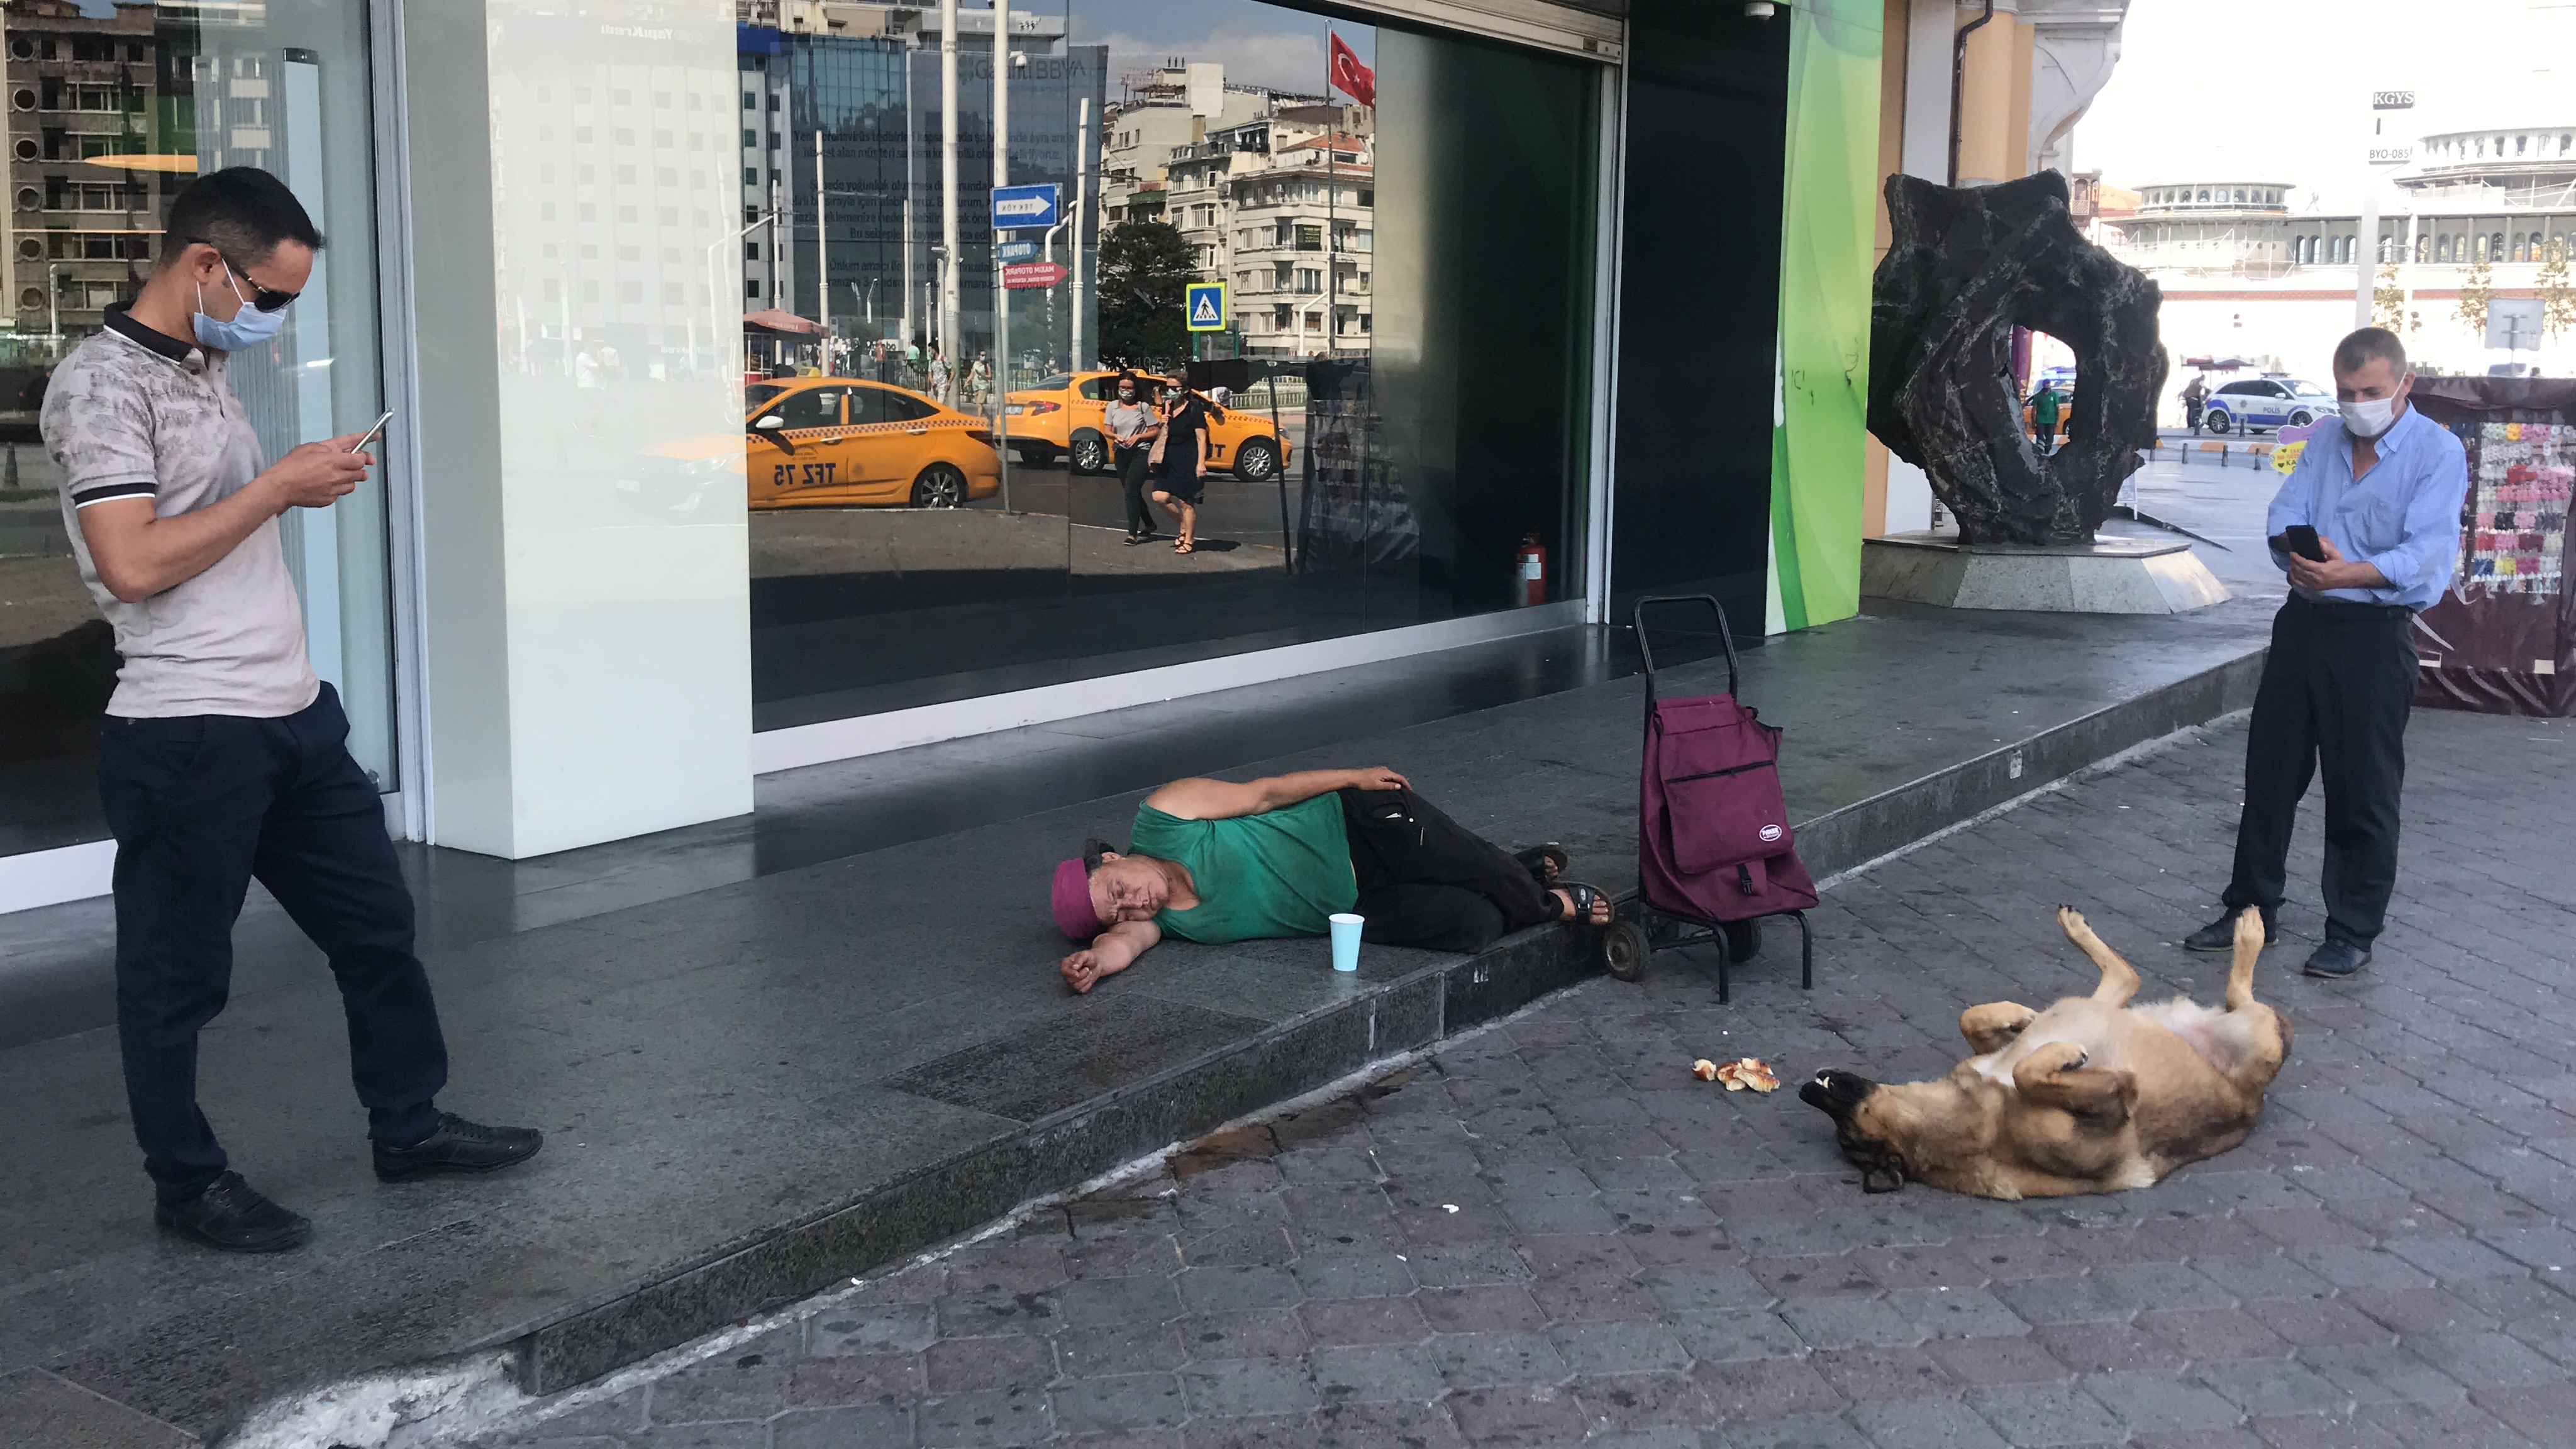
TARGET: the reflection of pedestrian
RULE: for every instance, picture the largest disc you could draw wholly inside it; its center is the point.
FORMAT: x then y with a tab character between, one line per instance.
939	376
1133	429
1180	466
585	370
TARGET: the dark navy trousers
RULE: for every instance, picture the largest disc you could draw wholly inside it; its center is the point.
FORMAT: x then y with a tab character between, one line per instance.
2336	691
200	806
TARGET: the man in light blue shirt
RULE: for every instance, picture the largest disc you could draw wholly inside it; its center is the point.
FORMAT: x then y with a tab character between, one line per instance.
2381	488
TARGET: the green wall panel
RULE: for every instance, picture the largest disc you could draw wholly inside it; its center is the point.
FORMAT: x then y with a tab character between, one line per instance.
1829	216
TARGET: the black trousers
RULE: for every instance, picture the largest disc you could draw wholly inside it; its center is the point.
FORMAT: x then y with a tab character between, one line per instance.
202	805
2336	691
1425	880
1132	466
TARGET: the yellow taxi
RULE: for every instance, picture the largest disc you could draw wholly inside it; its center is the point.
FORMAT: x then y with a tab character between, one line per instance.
816	442
1062	415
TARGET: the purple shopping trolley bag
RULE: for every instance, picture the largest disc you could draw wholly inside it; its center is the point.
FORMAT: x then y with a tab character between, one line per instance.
1715	843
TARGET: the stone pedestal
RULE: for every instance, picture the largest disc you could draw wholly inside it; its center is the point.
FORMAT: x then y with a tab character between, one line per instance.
2107	576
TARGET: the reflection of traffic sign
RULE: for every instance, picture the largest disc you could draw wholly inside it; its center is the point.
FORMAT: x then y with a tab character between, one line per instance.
1015	206
1019	251
1020	276
1205	306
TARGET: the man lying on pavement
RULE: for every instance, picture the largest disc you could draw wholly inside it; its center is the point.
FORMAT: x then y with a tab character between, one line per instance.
1213	861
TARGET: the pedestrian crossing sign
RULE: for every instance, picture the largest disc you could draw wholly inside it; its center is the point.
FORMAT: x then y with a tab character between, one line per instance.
1205	306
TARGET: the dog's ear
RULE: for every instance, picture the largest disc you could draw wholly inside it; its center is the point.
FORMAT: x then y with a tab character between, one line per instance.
2057	1076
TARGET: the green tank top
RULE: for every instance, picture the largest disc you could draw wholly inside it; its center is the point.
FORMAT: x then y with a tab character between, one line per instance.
1280	874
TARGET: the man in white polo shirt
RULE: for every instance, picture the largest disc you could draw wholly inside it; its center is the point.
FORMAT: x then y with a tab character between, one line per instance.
222	758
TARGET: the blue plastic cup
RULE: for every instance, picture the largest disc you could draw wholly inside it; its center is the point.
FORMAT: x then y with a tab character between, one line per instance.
1346	941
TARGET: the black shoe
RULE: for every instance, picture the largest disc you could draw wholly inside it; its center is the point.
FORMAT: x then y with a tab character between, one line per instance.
2336	960
459	1146
2220	934
232	1217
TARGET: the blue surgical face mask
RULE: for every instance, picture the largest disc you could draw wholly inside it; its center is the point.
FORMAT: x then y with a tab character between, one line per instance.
249	327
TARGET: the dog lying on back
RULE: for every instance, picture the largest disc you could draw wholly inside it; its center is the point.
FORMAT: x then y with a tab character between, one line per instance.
2091	1095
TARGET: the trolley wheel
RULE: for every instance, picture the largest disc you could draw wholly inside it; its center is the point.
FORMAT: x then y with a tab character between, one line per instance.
1624	950
1743	940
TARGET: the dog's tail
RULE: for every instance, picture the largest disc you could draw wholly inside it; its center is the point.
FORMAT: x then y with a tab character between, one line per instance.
2249	946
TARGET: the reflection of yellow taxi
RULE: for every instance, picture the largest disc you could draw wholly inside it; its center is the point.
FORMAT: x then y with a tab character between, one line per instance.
835	441
1062	414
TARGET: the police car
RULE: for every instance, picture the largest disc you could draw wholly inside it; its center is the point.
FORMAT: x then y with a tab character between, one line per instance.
2266	402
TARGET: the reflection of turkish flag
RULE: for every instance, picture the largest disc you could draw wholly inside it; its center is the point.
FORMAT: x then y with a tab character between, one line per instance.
1349	76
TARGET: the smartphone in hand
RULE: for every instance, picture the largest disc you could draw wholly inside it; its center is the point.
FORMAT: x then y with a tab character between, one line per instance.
2301	539
373	433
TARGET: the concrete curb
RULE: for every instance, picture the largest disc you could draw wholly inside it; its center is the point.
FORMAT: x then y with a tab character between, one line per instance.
980	1184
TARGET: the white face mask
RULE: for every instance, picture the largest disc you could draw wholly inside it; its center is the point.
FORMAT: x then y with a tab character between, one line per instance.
2369	419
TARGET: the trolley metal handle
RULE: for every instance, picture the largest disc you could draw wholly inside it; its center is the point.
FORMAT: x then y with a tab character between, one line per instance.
1725	636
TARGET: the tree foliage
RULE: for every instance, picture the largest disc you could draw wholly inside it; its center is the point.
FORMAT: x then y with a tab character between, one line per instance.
2557	295
2477	289
2388	300
1145	272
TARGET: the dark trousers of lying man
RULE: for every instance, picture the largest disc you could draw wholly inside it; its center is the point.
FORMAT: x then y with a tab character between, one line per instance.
1215	861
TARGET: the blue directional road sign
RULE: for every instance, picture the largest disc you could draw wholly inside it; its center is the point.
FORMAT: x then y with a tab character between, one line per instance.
1018	206
1019	251
1205	306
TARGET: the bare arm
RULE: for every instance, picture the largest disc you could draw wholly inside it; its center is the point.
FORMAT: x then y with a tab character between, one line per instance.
1109	953
1225	800
1201	435
139	554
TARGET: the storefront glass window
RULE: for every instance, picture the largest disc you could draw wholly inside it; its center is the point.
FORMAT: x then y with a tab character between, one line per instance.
1401	340
127	103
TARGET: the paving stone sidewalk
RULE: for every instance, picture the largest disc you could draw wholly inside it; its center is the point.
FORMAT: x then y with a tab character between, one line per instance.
1551	1234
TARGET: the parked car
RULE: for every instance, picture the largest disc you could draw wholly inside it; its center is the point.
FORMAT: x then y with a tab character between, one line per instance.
838	441
2266	402
1061	416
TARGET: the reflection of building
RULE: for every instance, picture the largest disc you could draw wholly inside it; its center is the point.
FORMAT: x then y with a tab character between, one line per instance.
1289	218
81	234
866	78
1255	195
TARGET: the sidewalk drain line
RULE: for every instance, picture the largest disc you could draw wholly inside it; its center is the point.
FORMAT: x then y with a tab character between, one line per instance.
2188	734
423	1407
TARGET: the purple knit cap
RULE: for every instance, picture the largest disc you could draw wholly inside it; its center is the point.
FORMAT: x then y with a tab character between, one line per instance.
1073	908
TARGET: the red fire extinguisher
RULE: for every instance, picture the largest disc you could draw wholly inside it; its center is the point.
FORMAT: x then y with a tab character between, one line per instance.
1530	563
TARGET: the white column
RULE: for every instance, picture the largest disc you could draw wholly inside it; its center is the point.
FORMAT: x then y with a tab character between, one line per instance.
586	663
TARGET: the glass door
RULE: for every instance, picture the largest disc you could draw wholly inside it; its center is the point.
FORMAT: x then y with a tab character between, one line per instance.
111	111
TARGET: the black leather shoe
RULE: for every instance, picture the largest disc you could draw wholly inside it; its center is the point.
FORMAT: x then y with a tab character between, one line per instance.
459	1146
2336	960
231	1216
2220	935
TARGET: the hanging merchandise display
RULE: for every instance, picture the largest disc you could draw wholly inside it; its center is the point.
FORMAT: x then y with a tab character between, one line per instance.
2502	639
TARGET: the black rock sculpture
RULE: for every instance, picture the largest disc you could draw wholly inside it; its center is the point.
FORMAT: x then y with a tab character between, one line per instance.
1966	266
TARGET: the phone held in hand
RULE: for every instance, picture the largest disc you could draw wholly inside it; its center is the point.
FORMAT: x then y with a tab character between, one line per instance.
2301	539
372	433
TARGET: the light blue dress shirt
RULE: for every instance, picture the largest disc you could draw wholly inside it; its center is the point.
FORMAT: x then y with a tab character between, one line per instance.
2403	516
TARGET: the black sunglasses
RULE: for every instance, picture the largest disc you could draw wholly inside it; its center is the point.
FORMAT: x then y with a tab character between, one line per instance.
262	299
